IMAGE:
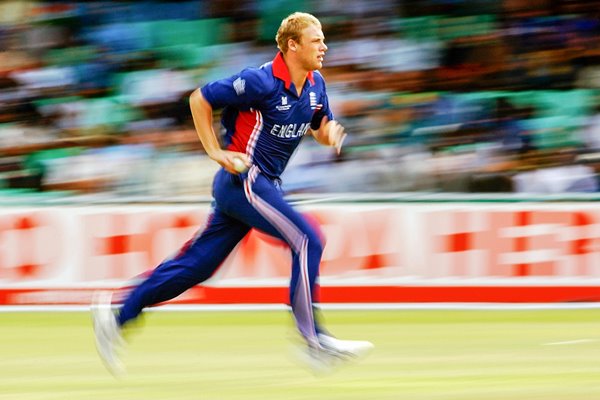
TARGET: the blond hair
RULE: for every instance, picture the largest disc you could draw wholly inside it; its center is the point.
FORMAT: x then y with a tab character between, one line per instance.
292	26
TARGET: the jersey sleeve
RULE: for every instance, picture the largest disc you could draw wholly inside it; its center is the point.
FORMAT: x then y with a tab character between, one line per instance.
241	90
322	110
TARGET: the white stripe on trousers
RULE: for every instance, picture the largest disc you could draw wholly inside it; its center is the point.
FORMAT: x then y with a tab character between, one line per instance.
299	243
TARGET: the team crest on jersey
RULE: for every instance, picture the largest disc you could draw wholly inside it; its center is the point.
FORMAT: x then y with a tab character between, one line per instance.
284	104
313	101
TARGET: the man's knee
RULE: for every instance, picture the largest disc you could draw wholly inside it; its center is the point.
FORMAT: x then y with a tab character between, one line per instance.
315	244
315	226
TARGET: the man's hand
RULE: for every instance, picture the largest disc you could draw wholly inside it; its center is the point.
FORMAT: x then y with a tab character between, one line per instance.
227	160
330	133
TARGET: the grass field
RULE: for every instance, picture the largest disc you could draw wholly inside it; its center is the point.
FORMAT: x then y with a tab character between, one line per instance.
433	355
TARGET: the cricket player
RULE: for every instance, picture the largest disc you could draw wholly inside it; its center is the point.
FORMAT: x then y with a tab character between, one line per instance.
266	113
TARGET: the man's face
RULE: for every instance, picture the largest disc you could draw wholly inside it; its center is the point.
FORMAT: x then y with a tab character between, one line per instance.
311	48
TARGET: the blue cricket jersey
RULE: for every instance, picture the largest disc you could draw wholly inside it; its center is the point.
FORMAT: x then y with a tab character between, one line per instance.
263	115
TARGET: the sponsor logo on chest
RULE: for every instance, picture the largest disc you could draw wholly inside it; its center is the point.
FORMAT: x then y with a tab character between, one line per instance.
284	104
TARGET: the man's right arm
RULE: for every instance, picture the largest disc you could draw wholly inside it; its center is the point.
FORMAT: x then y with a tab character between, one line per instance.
202	113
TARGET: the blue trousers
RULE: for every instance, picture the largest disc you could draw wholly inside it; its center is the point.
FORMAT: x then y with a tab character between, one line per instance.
241	202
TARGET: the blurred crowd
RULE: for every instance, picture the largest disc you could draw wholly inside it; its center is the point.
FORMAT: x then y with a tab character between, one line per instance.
436	95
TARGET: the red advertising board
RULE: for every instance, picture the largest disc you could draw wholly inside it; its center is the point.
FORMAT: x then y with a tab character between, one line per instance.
374	253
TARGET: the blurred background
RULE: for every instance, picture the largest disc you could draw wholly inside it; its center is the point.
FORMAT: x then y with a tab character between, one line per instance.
437	95
442	99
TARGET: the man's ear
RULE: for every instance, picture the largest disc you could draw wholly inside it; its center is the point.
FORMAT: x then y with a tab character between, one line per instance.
292	45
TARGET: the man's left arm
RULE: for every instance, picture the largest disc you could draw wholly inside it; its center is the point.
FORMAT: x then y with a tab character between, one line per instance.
330	133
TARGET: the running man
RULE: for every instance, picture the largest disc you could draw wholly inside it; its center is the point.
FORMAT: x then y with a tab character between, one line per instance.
266	113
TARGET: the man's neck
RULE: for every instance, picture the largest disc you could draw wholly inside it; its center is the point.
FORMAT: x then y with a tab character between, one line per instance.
297	73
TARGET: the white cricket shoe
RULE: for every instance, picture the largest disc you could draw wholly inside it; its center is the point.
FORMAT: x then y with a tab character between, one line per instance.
332	354
108	336
346	349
